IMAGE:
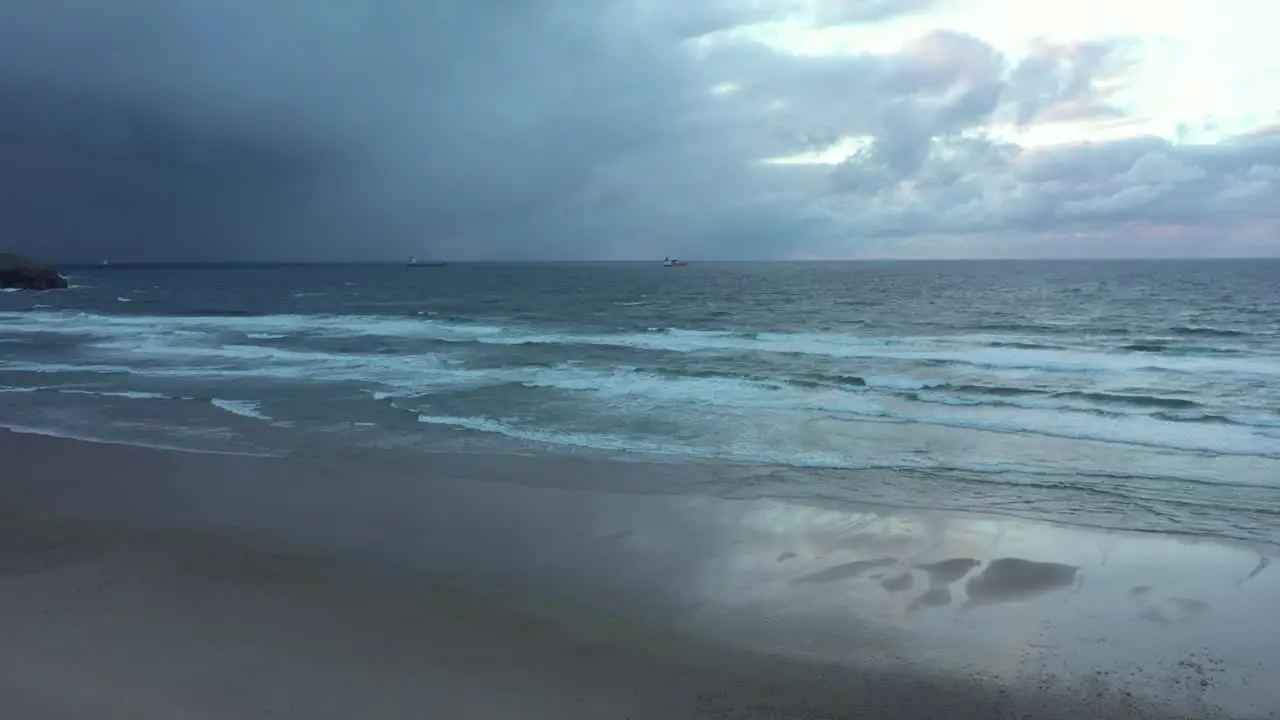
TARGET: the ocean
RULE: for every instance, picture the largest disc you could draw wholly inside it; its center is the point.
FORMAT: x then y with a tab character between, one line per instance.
1126	395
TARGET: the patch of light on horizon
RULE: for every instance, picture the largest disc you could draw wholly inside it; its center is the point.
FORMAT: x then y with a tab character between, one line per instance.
1045	135
834	154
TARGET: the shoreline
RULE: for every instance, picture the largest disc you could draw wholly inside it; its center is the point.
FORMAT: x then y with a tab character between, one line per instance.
646	472
294	577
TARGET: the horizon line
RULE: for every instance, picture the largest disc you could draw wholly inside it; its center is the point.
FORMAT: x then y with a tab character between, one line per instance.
339	263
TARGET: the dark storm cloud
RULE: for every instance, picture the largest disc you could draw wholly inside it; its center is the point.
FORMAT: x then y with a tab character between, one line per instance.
316	127
242	129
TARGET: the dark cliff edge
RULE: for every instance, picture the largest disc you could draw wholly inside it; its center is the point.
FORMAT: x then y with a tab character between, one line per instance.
24	273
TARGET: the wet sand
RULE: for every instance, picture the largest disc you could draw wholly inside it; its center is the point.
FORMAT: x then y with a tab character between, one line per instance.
139	583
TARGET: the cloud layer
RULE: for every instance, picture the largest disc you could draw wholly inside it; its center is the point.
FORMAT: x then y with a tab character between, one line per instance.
233	129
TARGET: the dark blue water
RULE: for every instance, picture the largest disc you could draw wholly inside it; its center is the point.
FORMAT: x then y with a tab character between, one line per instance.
1143	395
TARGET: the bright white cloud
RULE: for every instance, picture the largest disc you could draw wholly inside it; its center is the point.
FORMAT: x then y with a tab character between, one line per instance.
1211	67
1157	98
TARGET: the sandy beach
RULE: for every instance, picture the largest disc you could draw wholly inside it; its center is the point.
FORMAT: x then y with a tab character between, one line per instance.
140	583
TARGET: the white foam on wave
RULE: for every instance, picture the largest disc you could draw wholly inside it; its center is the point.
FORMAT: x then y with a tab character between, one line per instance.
153	333
243	408
685	398
626	444
1132	430
832	345
407	374
764	445
410	373
186	347
708	398
646	390
49	368
627	391
938	350
128	394
783	440
1047	402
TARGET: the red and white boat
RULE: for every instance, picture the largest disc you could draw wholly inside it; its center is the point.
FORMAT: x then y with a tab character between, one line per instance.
669	262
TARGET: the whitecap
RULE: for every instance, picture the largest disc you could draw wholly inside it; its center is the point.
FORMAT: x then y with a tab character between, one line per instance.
243	408
129	394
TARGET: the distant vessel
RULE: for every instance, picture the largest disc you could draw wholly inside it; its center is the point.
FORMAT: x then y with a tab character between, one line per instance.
669	262
413	262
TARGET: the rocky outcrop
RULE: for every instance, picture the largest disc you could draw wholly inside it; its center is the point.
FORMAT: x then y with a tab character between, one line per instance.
26	274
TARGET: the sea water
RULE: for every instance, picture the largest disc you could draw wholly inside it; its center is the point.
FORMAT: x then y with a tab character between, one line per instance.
1135	395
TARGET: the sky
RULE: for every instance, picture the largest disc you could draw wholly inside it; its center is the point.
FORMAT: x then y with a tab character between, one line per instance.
333	130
